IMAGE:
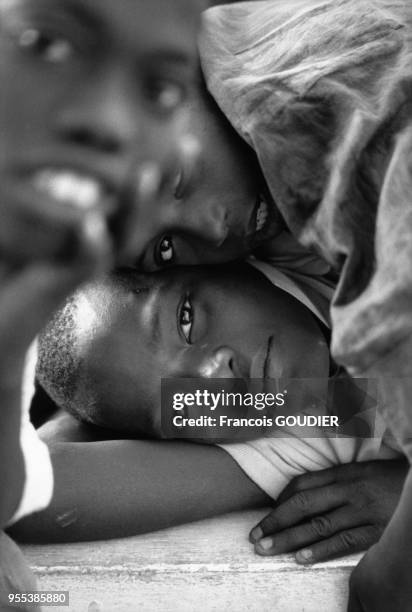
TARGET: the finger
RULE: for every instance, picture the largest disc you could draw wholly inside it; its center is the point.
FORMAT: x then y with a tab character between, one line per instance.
346	542
32	297
29	302
300	506
90	248
323	478
29	295
34	226
310	480
317	528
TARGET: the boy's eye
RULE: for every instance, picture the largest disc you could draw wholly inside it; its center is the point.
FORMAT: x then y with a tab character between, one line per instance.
51	48
166	95
165	251
186	317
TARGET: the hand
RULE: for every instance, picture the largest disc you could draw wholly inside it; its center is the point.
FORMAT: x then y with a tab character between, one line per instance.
381	582
45	252
43	257
333	512
35	227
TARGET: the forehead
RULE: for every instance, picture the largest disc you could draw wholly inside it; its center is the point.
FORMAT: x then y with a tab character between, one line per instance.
144	26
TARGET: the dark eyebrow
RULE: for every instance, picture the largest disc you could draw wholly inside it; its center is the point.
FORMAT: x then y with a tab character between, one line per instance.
168	55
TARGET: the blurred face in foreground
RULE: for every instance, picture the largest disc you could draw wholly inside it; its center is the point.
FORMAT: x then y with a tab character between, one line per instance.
90	89
104	354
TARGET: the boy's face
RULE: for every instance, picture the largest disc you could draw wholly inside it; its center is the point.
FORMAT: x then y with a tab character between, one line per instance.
119	337
214	212
89	89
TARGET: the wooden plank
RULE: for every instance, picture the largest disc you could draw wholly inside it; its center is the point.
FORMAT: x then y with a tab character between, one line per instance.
204	566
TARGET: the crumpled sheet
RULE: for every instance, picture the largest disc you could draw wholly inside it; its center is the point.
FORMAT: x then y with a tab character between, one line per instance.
322	91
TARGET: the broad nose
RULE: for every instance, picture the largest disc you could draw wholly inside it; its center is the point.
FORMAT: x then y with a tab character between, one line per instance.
208	221
104	115
222	363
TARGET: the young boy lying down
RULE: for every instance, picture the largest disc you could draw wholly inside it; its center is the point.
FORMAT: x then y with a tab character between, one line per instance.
101	359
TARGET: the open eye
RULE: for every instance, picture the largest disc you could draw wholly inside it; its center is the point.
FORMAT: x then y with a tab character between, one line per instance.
165	251
186	317
51	48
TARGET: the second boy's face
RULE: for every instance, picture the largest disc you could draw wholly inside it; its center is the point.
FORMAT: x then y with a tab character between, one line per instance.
217	209
89	89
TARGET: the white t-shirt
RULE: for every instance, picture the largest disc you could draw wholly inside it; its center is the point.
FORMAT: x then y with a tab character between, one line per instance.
38	484
273	461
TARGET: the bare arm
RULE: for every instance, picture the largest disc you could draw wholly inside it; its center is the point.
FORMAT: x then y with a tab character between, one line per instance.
28	297
11	459
37	271
119	488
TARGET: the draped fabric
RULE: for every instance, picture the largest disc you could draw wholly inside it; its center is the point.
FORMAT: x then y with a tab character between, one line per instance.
322	91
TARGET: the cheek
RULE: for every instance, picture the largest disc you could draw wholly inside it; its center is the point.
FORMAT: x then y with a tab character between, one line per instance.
159	139
235	172
29	103
18	112
241	328
252	339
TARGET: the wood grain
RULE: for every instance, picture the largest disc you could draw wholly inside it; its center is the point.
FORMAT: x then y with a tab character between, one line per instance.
204	566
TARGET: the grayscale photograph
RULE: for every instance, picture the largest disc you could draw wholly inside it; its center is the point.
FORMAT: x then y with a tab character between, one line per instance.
205	305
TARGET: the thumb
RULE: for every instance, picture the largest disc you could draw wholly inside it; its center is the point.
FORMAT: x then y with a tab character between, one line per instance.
28	300
29	295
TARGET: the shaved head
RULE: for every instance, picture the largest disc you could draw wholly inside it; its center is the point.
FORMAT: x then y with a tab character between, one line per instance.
63	367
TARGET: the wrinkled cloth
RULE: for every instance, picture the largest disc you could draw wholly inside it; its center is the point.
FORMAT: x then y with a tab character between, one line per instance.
322	91
316	299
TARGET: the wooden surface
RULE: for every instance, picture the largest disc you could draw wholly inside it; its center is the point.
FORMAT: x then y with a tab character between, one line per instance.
202	567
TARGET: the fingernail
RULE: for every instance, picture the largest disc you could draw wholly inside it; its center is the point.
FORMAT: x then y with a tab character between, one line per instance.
266	543
148	180
304	556
256	534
